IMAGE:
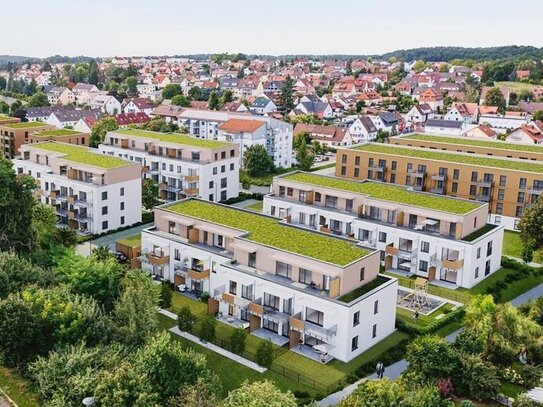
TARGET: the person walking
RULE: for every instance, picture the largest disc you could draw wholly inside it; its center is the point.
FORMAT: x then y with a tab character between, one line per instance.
379	369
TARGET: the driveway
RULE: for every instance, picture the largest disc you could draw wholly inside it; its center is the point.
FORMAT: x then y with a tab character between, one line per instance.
85	249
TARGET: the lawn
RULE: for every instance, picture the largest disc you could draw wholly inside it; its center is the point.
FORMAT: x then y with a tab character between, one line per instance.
516	87
422	320
261	180
198	308
257	206
512	246
18	388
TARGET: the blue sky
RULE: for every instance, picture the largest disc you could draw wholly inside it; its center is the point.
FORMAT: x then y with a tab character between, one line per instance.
157	27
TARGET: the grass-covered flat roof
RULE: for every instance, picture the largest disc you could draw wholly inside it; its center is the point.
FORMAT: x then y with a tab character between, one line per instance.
476	143
460	158
57	132
270	232
181	139
131	241
82	155
25	125
387	192
363	289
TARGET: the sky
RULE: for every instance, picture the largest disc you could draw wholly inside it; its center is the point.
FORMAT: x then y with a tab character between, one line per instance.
100	28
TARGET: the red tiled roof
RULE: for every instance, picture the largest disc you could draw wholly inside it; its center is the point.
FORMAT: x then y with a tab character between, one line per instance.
241	125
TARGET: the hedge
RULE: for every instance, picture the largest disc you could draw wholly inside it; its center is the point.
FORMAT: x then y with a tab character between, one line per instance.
389	357
413	329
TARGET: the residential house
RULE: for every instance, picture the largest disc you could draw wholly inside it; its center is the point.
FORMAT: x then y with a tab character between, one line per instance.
137	105
466	112
60	96
263	106
332	136
362	129
445	127
419	114
481	131
525	134
106	104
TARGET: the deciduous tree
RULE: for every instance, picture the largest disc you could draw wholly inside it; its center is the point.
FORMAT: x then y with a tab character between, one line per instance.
257	161
100	129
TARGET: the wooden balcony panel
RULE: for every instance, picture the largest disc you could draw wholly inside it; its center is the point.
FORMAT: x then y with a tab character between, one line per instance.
452	264
191	191
198	275
192	178
256	309
391	250
158	260
229	298
297	324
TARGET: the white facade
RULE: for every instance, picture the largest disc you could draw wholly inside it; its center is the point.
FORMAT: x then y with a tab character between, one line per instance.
107	104
501	123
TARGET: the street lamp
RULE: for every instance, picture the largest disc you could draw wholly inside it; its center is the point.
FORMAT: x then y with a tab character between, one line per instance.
88	401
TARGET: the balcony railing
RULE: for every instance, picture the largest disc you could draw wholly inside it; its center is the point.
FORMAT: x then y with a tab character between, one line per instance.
452	264
198	275
192	178
157	257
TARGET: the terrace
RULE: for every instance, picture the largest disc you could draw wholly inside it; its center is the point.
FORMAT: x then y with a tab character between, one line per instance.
387	192
460	158
181	139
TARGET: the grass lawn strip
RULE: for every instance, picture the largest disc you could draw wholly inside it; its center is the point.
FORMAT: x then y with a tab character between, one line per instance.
512	246
131	241
25	125
257	206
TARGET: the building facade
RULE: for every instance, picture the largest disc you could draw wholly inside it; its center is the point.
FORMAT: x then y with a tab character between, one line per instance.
182	165
293	286
14	135
438	238
90	192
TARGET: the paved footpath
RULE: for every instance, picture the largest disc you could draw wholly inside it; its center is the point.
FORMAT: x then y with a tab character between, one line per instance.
395	370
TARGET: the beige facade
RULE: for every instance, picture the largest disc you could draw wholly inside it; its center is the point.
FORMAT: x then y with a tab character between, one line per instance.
14	135
77	138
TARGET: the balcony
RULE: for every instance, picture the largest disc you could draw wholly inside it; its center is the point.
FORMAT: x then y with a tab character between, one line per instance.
417	174
391	250
192	178
191	191
483	183
54	194
452	264
312	329
256	309
197	275
71	199
157	258
439	177
534	191
377	168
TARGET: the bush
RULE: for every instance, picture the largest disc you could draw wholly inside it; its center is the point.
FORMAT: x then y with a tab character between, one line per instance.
531	375
237	341
467	403
204	297
185	319
476	378
264	354
207	329
165	295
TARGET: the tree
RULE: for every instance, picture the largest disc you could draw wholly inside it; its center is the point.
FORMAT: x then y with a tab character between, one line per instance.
430	358
46	67
264	354
17	272
181	100
165	295
150	194
38	99
537	115
94	71
44	223
304	157
171	90
16	207
527	253
237	341
214	103
419	66
204	393
100	129
259	394
379	393
195	93
185	319
494	97
297	140
226	97
131	85
207	328
286	97
531	225
257	161
476	378
135	311
102	253
160	125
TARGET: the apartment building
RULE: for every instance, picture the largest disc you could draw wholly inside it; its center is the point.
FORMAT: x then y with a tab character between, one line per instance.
242	128
440	238
60	135
277	280
183	166
91	193
14	135
508	185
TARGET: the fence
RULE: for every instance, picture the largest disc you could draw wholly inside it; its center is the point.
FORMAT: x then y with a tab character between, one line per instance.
454	295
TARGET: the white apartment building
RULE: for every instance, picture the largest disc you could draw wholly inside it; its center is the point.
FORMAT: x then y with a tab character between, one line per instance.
91	193
275	135
443	239
181	164
281	282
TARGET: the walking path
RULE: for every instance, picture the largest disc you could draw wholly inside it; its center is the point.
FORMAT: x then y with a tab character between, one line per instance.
217	349
395	370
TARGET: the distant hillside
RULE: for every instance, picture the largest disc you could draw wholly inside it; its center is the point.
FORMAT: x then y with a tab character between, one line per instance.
4	59
449	53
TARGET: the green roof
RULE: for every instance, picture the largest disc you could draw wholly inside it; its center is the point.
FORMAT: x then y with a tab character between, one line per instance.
131	241
25	125
57	132
82	155
268	231
364	289
460	158
181	139
476	143
388	192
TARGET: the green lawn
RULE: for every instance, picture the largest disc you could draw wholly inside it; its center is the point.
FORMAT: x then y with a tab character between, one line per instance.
516	87
257	206
512	246
198	308
18	388
422	320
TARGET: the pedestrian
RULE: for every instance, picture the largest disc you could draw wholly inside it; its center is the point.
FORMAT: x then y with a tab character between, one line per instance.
300	343
378	369
416	316
382	370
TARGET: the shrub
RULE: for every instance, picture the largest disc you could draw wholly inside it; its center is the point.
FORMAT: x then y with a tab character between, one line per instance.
237	341
264	354
531	375
165	295
204	297
476	378
467	403
437	324
185	319
207	329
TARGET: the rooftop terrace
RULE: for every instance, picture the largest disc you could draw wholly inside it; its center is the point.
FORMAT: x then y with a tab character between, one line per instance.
57	132
476	143
25	125
268	231
388	192
181	139
82	155
460	158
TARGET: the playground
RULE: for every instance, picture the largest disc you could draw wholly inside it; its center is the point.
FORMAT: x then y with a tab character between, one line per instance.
418	300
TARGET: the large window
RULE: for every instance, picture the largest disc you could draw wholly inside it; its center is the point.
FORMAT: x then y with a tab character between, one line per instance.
331	201
283	269
247	291
356	318
252	259
233	288
271	301
314	316
305	276
354	343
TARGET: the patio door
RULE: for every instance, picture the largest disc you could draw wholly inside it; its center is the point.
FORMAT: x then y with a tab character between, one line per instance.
448	275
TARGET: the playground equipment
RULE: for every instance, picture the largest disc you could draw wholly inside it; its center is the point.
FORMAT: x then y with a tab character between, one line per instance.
418	298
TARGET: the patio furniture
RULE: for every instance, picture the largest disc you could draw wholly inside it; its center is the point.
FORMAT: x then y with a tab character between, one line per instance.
182	288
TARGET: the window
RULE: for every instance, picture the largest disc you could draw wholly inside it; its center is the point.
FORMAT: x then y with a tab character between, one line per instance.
489	248
382	237
302	197
214	170
104	195
283	269
487	268
232	167
520	197
456	174
503	180
473	190
474	176
376	307
312	315
423	266
501	193
290	191
476	272
349	205
331	201
518	212
122	206
247	292
357	172
232	153
356	318
454	188
522	183
425	247
195	155
317	196
374	331
210	184
211	198
223	196
357	160
392	178
223	168
104	225
252	259
478	252
343	170
394	165
354	343
233	287
305	276
344	159
224	182
104	210
362	273
122	191
475	222
499	208
301	218
122	220
223	155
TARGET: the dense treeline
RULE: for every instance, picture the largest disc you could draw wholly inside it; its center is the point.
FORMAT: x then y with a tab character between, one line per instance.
477	54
